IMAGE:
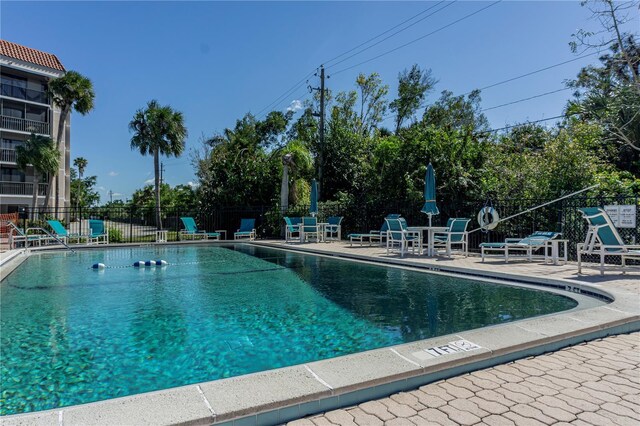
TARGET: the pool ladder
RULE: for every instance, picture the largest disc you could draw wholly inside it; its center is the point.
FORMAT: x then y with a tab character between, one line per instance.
25	235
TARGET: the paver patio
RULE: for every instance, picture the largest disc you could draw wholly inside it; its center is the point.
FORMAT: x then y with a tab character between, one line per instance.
595	383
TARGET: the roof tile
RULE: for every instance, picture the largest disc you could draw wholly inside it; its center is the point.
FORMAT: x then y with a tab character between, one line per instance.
30	55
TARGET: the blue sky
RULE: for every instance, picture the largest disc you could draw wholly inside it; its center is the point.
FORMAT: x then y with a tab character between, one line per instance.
215	61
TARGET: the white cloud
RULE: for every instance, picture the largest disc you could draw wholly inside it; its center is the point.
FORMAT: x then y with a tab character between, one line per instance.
117	194
102	188
295	105
113	173
192	184
149	181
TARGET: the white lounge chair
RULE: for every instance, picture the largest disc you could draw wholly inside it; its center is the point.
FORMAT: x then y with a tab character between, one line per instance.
604	240
536	241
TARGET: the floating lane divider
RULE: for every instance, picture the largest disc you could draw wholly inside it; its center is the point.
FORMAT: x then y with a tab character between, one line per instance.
136	264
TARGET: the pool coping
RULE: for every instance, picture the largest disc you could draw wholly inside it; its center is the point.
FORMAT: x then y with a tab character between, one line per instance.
280	395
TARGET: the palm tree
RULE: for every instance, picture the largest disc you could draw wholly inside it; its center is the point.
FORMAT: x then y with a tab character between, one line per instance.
296	161
40	153
81	164
158	130
71	91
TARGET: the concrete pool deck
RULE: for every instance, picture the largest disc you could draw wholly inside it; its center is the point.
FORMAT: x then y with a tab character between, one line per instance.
282	395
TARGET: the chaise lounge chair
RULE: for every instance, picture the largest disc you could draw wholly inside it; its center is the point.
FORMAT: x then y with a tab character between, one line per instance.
191	230
373	234
61	232
27	237
246	230
536	241
603	239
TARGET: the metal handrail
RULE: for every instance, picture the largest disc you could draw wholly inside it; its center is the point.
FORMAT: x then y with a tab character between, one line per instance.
25	234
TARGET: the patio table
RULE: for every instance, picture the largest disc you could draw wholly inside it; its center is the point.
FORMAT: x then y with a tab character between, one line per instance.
431	231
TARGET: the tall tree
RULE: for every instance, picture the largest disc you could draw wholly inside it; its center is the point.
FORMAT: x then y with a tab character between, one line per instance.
81	164
413	86
158	130
457	112
83	193
40	153
72	91
296	163
373	103
609	94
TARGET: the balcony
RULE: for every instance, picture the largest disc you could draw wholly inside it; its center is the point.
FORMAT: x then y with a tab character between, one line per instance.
23	125
7	155
21	188
24	94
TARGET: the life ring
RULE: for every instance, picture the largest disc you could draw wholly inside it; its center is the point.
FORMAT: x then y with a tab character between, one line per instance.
488	218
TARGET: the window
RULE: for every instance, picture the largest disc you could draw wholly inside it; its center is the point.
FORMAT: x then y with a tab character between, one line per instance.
10	143
11	175
14	86
36	113
10	109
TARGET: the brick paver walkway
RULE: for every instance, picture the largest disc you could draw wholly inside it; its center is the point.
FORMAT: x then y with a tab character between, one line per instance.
595	383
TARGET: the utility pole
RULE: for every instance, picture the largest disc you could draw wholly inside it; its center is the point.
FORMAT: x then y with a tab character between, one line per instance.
110	196
321	130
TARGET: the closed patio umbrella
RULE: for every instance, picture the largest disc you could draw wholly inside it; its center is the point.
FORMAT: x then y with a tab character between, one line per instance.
430	207
313	206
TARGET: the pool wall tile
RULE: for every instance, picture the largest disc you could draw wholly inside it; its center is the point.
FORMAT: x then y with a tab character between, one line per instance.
289	413
309	408
268	418
327	404
246	421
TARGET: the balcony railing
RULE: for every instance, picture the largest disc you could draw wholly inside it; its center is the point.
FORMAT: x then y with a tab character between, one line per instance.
24	93
21	188
23	125
7	155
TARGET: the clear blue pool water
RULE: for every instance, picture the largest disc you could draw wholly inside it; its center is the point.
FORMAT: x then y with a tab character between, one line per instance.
73	335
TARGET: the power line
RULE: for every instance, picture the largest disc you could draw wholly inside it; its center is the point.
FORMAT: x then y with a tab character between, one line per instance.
526	99
285	94
517	78
379	35
392	35
531	73
419	38
527	123
281	98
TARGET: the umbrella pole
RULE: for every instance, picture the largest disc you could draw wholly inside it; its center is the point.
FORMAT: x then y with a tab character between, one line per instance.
430	221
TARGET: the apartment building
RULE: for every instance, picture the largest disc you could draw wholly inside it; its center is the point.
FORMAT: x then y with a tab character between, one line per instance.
25	108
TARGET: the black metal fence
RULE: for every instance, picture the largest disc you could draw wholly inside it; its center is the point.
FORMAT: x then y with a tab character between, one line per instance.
135	224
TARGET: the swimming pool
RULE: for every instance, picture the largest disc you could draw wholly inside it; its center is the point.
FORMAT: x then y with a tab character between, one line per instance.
72	335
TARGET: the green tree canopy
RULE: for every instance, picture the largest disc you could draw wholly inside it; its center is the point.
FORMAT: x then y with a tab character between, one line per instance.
40	153
158	130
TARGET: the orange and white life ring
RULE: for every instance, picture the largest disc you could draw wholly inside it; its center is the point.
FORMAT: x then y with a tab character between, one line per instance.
488	218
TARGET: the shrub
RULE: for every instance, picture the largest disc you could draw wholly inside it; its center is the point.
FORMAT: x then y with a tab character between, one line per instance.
115	235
